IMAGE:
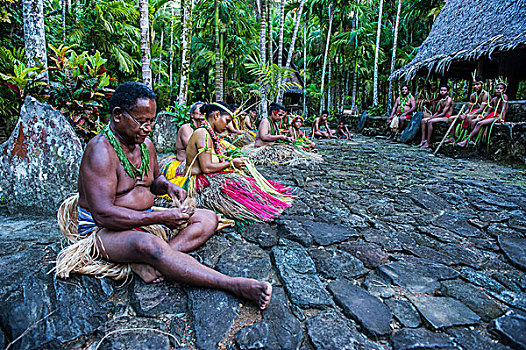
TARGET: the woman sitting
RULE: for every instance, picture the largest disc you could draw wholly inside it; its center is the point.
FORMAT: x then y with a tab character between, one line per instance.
218	182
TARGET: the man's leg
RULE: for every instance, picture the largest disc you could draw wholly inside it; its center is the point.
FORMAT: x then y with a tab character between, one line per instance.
423	130
430	126
201	227
142	247
476	130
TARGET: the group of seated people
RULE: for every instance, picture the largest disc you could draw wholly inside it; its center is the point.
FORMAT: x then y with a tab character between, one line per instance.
480	111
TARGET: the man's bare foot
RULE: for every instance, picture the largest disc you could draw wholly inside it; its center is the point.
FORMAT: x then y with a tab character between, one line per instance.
147	273
450	140
463	143
256	291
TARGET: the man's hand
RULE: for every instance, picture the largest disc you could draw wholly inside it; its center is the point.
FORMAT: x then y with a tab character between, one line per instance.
175	217
389	119
175	191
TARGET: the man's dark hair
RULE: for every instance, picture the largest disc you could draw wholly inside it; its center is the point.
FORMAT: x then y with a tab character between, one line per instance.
252	109
194	106
275	107
444	85
325	112
127	94
208	108
503	84
479	78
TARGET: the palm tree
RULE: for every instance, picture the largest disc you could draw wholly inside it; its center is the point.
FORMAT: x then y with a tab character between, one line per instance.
186	37
281	28
219	53
376	54
145	42
293	42
262	53
327	45
393	57
34	34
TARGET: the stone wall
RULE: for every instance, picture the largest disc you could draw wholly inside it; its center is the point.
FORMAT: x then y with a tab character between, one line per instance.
39	163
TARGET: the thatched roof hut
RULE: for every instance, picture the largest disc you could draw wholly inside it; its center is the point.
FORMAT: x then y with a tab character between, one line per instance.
489	36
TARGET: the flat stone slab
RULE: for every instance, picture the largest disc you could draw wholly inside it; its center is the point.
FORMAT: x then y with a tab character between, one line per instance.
443	312
511	328
468	339
213	313
154	300
421	339
298	272
372	255
417	275
474	298
515	250
334	263
284	330
252	337
404	312
261	233
457	223
245	260
365	309
330	330
325	234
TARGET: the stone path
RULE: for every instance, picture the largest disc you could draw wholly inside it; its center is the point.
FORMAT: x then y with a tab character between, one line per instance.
386	247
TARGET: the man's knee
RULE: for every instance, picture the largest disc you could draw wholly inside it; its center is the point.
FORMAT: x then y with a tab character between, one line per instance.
149	247
205	217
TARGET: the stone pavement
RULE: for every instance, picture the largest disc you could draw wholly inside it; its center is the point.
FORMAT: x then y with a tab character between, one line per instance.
386	247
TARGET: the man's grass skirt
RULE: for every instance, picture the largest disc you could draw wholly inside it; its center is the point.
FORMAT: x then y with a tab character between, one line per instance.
82	255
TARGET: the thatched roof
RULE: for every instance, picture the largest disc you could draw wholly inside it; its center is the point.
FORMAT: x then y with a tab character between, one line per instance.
466	30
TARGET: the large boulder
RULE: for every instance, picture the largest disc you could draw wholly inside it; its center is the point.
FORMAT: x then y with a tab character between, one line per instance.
164	134
39	163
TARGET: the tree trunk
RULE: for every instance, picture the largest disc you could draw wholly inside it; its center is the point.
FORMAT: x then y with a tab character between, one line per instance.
262	55
293	42
393	57
64	22
34	34
145	43
329	87
186	36
305	69
355	72
270	38
219	63
376	54
281	29
171	51
158	77
327	45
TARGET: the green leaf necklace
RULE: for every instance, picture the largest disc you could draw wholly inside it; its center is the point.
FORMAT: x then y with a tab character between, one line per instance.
130	169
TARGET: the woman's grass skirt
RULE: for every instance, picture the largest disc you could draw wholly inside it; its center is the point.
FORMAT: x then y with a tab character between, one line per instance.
240	197
281	154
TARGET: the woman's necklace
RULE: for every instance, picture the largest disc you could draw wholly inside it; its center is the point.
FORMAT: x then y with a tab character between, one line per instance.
215	139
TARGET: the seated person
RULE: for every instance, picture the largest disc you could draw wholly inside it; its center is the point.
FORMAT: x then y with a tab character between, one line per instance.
498	108
404	107
268	131
118	179
217	181
172	167
253	114
298	135
478	103
443	114
342	132
317	125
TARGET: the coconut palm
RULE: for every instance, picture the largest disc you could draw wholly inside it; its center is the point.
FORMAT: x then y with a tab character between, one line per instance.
376	54
185	54
145	42
34	34
393	57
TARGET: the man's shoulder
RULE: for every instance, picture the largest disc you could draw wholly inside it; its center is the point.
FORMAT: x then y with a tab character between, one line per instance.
185	127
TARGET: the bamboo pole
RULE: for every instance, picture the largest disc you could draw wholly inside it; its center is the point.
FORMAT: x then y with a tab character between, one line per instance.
449	130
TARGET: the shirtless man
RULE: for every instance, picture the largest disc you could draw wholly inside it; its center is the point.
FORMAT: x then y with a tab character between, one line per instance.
119	177
403	109
478	102
268	131
297	134
186	130
318	123
443	114
498	108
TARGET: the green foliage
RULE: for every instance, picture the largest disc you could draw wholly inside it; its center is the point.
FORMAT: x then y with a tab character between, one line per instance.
378	110
179	113
79	88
